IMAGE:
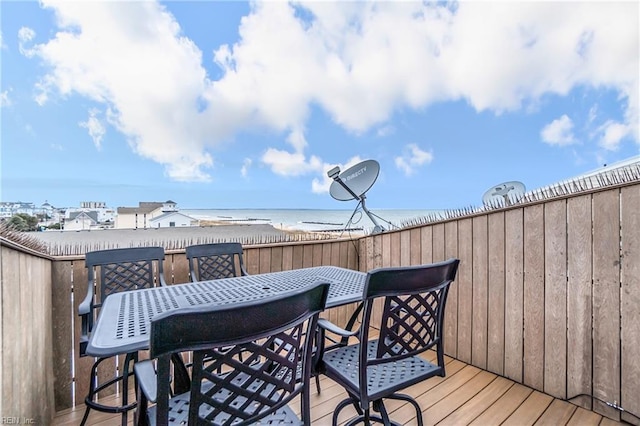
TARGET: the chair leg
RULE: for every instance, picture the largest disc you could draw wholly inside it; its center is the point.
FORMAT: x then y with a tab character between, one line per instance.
410	400
339	408
95	388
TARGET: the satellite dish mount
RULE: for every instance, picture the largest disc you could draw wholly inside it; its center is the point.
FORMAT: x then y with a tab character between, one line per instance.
352	184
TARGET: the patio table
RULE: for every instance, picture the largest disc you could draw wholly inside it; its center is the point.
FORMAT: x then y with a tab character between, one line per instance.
124	321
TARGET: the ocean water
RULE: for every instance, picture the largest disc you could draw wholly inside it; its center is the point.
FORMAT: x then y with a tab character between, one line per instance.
311	220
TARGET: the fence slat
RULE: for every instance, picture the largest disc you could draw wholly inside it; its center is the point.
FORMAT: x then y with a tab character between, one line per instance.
579	273
606	301
496	293
630	303
514	294
555	306
479	326
534	297
465	289
451	310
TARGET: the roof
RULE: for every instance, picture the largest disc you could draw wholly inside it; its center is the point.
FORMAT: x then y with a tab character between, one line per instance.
144	207
166	215
91	215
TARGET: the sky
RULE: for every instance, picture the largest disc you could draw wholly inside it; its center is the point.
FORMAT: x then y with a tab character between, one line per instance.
228	104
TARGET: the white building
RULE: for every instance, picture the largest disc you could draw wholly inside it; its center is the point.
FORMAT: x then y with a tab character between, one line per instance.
140	217
82	221
172	219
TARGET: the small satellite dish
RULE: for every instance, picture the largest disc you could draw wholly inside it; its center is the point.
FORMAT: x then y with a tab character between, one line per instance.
504	194
357	180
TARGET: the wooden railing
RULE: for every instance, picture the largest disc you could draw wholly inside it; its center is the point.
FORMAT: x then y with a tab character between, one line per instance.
26	359
547	294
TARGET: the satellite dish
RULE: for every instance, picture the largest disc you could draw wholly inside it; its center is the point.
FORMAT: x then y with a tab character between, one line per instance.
504	194
357	180
353	183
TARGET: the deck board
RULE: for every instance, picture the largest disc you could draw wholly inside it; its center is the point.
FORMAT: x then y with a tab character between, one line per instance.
466	396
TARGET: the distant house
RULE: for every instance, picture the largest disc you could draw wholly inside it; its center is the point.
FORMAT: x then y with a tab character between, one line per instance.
140	217
172	219
81	220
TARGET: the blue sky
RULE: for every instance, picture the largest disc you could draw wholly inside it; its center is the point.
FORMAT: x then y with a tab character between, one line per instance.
248	105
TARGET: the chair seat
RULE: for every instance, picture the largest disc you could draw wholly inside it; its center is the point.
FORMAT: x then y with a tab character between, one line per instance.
341	364
179	405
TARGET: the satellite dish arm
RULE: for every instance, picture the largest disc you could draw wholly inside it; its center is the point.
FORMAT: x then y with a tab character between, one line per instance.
345	186
361	198
376	228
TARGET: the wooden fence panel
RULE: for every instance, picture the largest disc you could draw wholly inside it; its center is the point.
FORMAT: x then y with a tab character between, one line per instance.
451	310
534	296
496	293
555	297
465	288
606	301
265	260
438	242
376	261
395	249
630	303
579	273
405	248
62	314
426	242
514	294
10	333
276	258
180	266
415	251
287	257
252	260
479	326
386	249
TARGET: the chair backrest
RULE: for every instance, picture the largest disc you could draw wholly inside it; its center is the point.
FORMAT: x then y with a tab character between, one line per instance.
414	299
275	338
124	269
215	261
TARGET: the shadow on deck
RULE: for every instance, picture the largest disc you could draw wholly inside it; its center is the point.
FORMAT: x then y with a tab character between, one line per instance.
466	396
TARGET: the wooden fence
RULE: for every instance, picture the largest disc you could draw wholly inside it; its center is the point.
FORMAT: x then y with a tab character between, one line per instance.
547	294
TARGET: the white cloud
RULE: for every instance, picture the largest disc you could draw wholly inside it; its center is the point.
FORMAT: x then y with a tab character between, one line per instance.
359	61
411	158
613	133
246	165
95	128
5	100
286	163
25	36
149	76
559	132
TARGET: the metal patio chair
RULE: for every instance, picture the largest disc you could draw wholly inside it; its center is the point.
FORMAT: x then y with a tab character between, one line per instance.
274	336
214	261
411	323
111	271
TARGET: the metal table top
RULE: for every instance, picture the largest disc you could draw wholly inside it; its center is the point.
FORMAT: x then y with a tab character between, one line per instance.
124	322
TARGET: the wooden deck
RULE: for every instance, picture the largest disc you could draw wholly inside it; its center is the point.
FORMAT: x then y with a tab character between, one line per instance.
466	396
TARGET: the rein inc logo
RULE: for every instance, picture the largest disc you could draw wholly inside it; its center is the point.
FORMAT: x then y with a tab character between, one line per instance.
17	421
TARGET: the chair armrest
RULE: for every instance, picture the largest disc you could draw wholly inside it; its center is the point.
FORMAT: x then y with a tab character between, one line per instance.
85	306
327	325
243	270
85	311
147	379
